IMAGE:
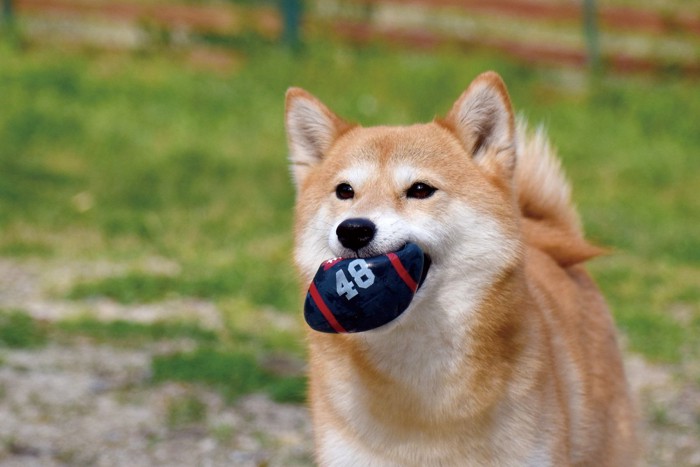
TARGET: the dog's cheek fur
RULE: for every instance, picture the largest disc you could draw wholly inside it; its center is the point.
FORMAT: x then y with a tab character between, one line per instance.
311	247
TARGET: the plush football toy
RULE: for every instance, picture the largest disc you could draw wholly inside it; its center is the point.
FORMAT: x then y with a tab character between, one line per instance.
359	294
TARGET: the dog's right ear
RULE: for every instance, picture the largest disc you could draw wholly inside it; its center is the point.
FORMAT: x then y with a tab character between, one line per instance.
482	118
311	130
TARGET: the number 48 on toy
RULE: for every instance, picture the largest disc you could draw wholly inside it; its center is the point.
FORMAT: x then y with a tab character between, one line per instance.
362	276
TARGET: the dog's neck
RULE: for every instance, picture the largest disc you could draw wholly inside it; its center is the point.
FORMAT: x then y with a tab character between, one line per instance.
453	330
451	350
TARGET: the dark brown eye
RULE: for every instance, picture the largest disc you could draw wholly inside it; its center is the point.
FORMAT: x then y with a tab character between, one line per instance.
420	190
344	191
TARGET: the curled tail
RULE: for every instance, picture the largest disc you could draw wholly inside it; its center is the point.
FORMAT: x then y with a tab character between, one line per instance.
550	220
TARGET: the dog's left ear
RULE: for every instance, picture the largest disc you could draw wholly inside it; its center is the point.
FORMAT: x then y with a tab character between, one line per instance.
311	131
482	119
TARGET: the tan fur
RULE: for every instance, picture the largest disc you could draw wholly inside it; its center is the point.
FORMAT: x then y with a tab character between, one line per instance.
550	221
507	355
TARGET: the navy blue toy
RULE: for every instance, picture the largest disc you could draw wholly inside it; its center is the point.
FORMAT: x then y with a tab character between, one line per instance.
359	294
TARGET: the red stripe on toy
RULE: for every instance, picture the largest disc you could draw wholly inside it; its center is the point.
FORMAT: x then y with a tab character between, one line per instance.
329	264
318	300
401	271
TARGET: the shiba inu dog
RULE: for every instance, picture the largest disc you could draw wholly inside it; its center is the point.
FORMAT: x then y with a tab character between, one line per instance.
507	353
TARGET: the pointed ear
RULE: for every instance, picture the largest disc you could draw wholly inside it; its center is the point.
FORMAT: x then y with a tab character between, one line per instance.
311	130
482	119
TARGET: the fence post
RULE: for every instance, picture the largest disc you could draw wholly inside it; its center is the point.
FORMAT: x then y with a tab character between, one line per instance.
7	12
590	24
291	13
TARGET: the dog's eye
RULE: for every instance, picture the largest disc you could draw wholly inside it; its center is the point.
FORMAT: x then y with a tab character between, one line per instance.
344	191
420	190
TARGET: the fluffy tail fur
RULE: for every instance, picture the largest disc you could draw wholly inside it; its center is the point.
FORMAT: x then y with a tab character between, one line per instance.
550	220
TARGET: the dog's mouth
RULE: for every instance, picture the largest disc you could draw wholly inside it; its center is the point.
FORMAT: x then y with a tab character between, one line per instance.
427	262
369	253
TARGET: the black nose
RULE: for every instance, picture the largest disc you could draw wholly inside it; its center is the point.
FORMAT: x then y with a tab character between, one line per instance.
355	233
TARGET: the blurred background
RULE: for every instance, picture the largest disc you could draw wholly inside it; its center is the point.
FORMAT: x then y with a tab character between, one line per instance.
149	309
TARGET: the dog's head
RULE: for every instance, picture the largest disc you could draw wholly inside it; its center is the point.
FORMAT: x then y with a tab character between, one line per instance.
446	185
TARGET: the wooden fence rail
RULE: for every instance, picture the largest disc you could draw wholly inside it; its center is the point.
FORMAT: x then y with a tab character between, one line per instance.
632	39
537	31
201	18
634	18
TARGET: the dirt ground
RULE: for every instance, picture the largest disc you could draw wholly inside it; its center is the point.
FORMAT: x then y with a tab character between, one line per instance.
81	403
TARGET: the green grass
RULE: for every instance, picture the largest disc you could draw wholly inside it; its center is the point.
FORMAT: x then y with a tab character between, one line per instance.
227	363
18	330
232	372
185	411
657	307
227	281
125	157
129	332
